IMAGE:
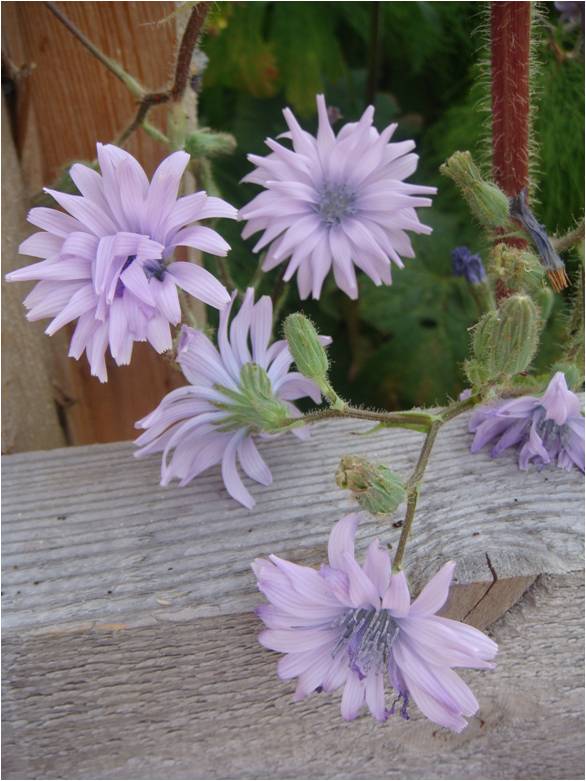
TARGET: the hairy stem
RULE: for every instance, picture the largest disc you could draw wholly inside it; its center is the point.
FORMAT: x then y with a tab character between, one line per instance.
510	47
147	99
413	493
573	237
114	67
510	32
420	420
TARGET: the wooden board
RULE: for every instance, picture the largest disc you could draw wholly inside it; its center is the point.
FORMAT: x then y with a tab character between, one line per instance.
30	417
130	645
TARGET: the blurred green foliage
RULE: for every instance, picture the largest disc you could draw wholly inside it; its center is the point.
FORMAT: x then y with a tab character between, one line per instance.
405	344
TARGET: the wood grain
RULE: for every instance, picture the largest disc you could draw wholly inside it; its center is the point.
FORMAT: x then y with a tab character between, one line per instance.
30	418
68	103
129	638
94	538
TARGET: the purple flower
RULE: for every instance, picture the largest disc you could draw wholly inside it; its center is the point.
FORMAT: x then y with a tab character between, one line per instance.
236	392
335	201
107	262
465	264
546	429
347	625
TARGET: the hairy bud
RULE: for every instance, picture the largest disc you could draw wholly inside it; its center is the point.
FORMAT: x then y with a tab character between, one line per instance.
486	201
377	489
505	340
519	269
309	355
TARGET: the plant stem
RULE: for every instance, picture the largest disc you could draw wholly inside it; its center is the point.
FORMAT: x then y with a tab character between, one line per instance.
413	493
510	47
422	420
147	99
114	67
570	239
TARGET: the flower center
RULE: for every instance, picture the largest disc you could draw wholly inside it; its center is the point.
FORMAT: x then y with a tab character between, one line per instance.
335	203
152	268
368	635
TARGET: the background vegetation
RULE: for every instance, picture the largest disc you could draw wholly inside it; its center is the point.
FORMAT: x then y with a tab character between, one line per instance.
422	65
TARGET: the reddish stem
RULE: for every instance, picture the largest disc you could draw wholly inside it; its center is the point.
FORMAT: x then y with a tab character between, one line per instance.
510	46
510	27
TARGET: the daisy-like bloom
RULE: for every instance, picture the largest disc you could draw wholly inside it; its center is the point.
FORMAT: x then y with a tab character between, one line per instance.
546	430
237	392
108	261
335	201
352	626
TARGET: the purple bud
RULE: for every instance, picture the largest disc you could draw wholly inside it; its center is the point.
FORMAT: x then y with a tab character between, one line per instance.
465	264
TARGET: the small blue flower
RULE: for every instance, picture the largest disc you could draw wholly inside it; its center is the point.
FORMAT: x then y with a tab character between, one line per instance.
465	264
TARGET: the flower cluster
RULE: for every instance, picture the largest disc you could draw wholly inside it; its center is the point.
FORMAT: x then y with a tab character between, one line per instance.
546	430
352	626
236	392
107	262
335	202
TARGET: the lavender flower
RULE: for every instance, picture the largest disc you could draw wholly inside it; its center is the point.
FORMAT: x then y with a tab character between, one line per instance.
546	429
347	625
107	262
235	394
335	201
465	264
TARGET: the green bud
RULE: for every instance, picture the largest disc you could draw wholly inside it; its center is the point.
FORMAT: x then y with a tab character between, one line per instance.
483	335
307	351
545	299
253	405
519	269
378	490
486	201
517	335
205	143
504	341
309	355
476	374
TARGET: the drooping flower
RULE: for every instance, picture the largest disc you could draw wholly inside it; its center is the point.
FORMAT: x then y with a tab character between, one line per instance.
467	265
235	394
549	429
108	261
335	201
548	257
352	626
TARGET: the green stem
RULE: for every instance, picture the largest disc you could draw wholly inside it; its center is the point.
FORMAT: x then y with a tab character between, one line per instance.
114	67
413	494
390	419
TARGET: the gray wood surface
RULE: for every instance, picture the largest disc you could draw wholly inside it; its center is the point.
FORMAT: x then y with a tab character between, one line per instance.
129	642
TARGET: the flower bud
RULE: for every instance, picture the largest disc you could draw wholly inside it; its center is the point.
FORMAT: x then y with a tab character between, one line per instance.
307	351
378	490
517	335
253	405
519	269
504	341
486	201
206	143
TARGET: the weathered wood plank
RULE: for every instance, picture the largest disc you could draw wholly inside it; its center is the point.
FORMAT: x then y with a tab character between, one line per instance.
90	536
201	699
129	641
